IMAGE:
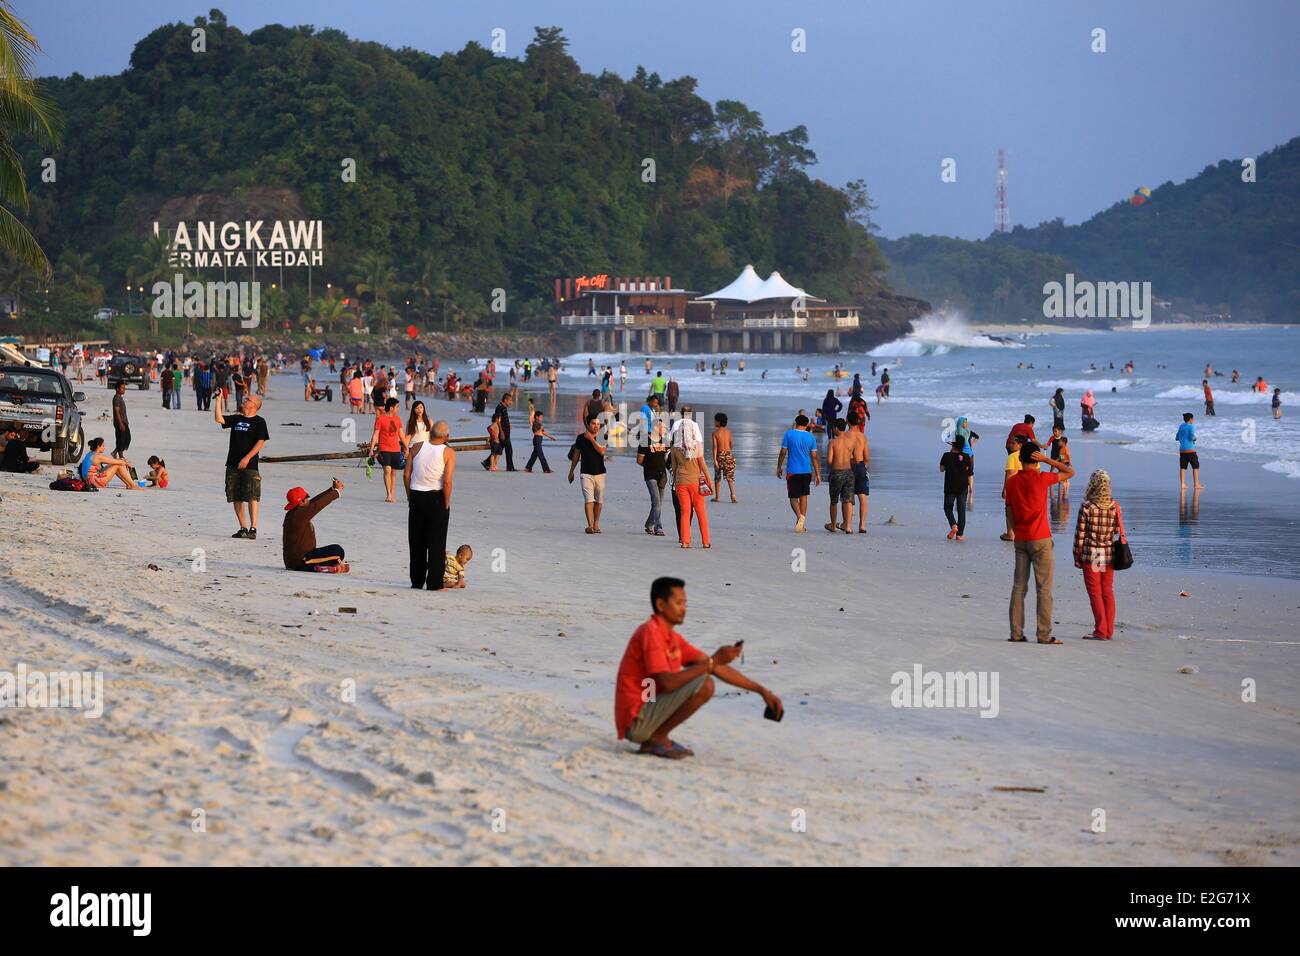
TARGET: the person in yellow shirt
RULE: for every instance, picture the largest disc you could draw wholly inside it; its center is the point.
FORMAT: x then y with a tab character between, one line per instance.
1013	466
454	573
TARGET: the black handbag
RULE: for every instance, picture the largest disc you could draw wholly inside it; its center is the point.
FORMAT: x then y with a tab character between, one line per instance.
1121	555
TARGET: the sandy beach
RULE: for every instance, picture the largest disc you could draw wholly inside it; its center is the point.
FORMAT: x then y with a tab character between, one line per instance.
481	730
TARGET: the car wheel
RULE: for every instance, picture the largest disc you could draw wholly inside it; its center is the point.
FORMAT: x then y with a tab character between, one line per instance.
75	450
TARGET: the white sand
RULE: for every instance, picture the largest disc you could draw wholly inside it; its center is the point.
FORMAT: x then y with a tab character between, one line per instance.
223	686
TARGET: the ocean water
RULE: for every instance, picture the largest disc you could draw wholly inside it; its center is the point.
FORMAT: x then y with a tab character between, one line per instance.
1245	522
945	367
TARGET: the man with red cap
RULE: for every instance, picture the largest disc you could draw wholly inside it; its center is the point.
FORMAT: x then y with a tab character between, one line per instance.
300	551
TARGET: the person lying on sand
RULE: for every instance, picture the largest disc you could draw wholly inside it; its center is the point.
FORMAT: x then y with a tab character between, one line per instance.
300	551
663	679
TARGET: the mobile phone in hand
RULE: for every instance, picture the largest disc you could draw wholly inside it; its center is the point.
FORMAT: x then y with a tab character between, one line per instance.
770	714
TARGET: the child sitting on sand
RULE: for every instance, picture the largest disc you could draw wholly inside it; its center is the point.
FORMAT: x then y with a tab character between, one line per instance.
157	476
454	574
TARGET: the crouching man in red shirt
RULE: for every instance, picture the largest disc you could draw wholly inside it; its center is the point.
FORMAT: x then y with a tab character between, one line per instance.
663	679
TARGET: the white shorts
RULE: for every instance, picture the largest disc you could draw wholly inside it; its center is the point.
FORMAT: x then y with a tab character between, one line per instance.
593	488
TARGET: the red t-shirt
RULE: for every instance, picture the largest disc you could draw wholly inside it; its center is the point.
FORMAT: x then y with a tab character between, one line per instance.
1024	428
653	649
1027	498
390	427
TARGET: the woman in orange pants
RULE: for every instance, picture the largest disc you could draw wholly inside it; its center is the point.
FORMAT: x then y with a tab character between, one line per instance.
689	475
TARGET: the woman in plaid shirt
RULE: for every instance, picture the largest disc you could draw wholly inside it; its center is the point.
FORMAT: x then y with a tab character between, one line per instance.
1094	547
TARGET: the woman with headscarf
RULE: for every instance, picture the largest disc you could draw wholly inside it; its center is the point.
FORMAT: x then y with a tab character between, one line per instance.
968	440
1088	408
691	484
1057	401
1100	518
855	391
831	408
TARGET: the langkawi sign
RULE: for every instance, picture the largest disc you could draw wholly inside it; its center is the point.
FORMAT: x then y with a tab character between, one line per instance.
281	243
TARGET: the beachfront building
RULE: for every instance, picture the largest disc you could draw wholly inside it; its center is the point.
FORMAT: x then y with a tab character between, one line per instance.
624	314
644	314
770	315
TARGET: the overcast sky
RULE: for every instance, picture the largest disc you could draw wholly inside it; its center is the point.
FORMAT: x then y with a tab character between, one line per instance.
887	88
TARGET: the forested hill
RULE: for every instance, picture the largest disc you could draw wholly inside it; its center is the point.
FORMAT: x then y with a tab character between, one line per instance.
1213	243
473	170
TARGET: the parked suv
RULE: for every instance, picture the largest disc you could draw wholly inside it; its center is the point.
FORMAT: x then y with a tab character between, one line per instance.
131	369
41	406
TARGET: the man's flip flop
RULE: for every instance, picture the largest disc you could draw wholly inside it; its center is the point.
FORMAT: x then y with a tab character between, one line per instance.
1052	641
668	753
1017	640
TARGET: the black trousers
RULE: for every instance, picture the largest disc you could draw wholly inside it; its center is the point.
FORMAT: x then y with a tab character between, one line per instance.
121	441
426	532
510	451
538	454
959	498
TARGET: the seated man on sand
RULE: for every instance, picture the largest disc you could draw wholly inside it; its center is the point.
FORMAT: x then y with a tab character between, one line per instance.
300	551
15	454
663	679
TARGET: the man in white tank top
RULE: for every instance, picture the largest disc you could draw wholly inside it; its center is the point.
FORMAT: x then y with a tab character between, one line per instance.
430	467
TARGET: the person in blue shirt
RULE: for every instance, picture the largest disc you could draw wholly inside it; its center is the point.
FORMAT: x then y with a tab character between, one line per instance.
649	414
799	452
1187	457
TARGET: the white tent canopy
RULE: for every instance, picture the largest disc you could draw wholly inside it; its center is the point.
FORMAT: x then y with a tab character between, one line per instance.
744	288
748	287
775	287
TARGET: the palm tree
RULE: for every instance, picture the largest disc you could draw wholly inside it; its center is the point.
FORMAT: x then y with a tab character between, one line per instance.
18	277
24	111
375	275
151	265
80	274
323	310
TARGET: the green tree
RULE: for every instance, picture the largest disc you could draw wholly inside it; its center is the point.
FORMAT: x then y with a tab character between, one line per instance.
24	112
80	274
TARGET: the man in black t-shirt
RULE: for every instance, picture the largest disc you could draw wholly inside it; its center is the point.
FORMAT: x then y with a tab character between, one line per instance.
243	481
957	470
121	427
591	454
502	418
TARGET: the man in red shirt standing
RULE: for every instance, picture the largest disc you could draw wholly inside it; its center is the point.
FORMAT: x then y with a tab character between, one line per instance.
663	679
1025	430
1026	493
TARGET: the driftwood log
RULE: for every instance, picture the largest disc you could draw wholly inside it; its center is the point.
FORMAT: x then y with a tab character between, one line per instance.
363	450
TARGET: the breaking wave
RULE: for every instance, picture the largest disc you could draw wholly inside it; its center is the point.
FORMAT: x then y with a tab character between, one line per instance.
938	334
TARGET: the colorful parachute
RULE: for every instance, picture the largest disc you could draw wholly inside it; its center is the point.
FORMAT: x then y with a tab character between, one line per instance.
1140	196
